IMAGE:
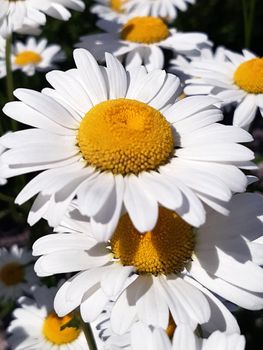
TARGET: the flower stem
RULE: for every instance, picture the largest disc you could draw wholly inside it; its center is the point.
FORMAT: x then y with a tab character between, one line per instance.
9	76
248	14
89	335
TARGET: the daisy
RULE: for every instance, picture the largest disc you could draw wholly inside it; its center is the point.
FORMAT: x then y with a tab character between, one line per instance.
142	337
237	80
36	325
34	55
114	138
16	15
181	65
110	10
158	8
141	40
164	276
16	272
2	179
2	58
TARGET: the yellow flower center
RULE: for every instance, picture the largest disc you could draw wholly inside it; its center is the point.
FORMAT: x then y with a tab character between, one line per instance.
164	250
171	327
249	76
145	30
125	136
12	274
116	5
52	329
27	57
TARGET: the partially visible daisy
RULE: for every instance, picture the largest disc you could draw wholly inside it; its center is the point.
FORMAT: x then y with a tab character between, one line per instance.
143	337
114	138
237	80
16	272
181	337
141	40
36	325
110	10
164	273
2	58
166	9
16	15
181	65
2	178
35	55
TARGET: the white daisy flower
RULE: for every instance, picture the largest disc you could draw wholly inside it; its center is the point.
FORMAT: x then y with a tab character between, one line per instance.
16	272
2	58
169	271
237	80
36	325
141	40
35	55
16	15
3	180
110	10
158	8
111	138
181	65
142	337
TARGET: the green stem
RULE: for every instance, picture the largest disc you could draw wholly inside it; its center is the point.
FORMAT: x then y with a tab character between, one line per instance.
89	335
248	15
9	76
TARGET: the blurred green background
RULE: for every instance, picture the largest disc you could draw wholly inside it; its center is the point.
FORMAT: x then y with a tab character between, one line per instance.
224	23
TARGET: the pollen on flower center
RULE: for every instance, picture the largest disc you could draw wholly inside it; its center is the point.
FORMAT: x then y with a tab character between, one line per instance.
125	136
164	250
145	30
12	273
52	329
116	5
27	57
249	76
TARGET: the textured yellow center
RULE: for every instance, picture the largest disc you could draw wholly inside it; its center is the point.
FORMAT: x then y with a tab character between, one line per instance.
52	329
125	136
171	327
145	30
249	76
165	249
12	274
116	5
27	57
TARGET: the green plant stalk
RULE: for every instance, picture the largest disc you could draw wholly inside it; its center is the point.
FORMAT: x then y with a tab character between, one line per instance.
89	335
9	76
248	15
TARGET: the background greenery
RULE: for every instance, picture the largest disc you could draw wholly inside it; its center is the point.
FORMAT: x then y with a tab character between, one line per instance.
223	22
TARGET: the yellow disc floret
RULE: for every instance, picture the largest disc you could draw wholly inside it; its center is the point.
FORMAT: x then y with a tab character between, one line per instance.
125	136
249	76
27	57
145	30
164	250
54	332
12	273
116	5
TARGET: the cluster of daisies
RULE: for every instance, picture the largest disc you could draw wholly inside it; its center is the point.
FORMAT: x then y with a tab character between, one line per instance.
143	185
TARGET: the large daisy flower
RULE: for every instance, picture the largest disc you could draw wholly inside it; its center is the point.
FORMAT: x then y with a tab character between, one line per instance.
158	8
36	325
35	55
236	80
16	272
112	137
15	15
141	40
168	272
